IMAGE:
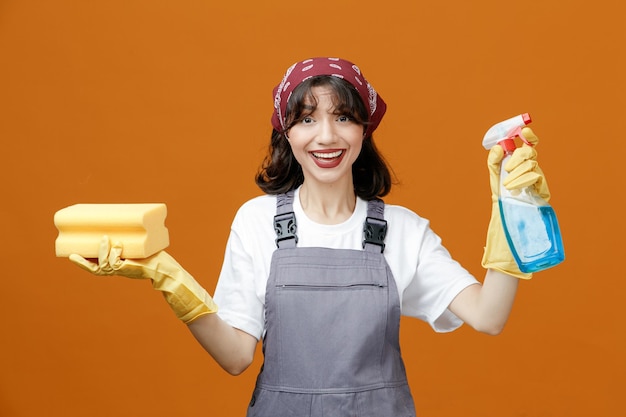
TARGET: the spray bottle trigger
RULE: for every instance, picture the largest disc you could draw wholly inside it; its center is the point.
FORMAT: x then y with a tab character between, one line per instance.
516	132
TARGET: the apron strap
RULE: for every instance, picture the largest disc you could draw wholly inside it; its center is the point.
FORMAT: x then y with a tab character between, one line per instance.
286	228
285	221
375	226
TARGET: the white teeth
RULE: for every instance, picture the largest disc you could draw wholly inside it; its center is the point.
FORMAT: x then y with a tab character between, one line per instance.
327	155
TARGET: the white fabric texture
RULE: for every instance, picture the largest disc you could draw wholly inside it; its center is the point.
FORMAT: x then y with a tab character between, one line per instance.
427	277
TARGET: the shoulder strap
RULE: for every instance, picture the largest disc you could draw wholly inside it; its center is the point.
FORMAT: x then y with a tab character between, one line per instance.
286	228
375	226
285	221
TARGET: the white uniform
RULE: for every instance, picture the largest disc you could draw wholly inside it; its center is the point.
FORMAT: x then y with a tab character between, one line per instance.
426	276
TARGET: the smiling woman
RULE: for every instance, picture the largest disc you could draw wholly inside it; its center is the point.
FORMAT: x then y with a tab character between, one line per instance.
313	263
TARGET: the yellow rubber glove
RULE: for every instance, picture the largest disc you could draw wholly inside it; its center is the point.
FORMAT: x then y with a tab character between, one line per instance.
523	171
183	293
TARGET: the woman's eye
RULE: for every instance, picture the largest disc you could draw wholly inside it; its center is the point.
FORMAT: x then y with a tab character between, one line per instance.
344	118
307	120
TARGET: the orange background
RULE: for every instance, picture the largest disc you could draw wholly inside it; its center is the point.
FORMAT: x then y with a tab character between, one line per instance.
156	101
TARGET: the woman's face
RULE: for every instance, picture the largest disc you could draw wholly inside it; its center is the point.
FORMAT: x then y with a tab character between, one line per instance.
325	143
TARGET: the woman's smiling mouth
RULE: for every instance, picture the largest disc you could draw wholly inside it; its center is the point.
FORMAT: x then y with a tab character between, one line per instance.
327	155
328	159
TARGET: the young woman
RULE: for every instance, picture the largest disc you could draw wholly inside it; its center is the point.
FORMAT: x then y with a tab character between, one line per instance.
320	269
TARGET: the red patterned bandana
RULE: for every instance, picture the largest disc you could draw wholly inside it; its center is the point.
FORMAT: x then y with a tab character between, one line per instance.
337	67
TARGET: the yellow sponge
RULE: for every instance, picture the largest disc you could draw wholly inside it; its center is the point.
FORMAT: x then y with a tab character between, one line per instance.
140	228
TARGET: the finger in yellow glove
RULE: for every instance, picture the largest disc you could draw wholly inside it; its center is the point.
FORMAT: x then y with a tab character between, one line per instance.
523	171
182	292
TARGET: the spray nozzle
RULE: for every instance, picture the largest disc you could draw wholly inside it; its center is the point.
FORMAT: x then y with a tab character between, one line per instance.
505	132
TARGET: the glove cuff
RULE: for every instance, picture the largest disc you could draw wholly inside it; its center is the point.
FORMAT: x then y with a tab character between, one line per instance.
187	298
509	268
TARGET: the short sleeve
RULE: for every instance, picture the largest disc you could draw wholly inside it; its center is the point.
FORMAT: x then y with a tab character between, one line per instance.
235	293
437	281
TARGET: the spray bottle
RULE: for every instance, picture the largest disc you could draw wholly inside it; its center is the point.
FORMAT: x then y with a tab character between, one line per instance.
530	223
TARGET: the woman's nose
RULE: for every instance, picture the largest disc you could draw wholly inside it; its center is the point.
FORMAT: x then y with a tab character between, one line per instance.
327	132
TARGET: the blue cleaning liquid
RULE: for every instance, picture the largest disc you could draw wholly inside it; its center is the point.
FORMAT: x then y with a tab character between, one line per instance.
533	234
